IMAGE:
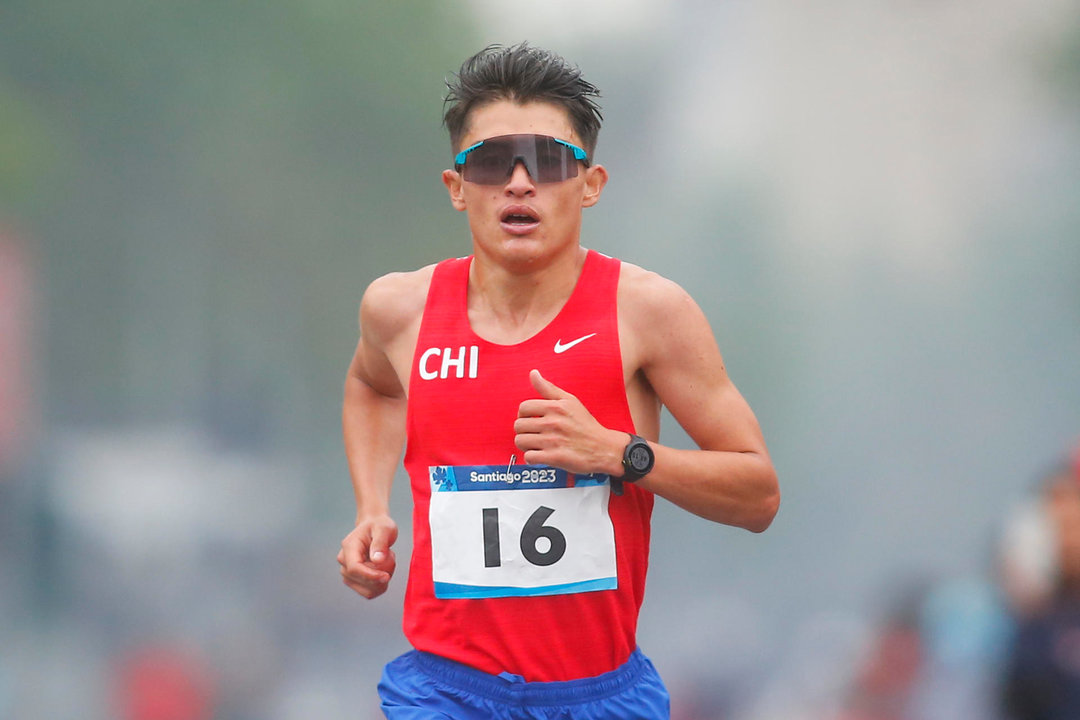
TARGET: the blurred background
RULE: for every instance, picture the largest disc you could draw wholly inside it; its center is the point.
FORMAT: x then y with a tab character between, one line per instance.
877	204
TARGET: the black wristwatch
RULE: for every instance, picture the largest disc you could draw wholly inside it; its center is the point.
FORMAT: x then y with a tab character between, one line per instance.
637	461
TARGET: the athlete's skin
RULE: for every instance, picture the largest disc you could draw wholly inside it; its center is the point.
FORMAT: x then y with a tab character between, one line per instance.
520	277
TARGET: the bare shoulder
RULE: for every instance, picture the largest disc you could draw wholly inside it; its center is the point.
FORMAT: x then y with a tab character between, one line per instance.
659	322
647	297
393	303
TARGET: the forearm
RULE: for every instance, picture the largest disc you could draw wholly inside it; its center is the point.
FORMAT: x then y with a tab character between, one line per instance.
373	426
733	488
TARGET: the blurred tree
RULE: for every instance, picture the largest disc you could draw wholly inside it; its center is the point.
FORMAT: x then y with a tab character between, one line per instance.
223	179
28	150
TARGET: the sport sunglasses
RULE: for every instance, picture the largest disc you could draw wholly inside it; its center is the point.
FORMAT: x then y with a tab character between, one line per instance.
546	159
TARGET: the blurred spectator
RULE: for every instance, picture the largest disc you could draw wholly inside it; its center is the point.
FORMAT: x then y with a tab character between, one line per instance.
965	628
1042	676
162	682
885	682
935	656
1028	557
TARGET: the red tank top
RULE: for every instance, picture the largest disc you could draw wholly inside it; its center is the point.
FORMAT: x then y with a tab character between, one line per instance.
518	568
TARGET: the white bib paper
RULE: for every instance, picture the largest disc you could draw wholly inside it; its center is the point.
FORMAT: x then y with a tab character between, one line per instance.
521	530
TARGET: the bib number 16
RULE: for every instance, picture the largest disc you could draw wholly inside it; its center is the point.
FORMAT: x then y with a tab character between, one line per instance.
519	541
534	536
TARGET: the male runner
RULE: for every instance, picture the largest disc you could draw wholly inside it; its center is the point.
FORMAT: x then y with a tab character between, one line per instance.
527	380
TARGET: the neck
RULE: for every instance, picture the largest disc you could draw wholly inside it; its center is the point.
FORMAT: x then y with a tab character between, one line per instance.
509	305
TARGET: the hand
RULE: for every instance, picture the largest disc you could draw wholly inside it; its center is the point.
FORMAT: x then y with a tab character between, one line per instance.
367	562
558	430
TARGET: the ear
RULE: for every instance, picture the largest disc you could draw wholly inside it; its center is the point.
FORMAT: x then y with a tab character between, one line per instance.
452	180
596	177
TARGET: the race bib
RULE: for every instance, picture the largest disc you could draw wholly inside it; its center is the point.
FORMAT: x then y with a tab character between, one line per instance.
519	530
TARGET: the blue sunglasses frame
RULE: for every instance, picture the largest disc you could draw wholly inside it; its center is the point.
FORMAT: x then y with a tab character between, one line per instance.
579	154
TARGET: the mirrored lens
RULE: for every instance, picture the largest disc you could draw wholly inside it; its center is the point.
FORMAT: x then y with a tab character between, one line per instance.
492	161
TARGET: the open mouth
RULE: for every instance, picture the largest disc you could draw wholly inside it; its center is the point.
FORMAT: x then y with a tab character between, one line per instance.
519	219
519	216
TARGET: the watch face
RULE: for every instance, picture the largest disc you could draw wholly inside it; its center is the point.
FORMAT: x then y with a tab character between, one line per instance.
640	457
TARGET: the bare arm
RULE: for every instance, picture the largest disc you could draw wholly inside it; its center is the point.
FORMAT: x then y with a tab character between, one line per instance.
730	479
373	427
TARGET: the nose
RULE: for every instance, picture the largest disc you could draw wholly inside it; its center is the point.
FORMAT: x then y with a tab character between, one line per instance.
520	182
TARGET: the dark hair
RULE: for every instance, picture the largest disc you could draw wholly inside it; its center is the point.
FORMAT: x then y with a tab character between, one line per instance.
522	74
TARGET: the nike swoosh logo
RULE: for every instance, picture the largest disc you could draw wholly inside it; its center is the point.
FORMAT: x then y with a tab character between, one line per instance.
561	348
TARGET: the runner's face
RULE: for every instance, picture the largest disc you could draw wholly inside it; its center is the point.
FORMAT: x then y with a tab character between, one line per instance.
523	221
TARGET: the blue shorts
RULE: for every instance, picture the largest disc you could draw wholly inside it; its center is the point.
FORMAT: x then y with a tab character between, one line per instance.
422	686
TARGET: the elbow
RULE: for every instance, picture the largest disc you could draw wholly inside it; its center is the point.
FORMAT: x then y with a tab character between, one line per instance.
767	506
766	511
